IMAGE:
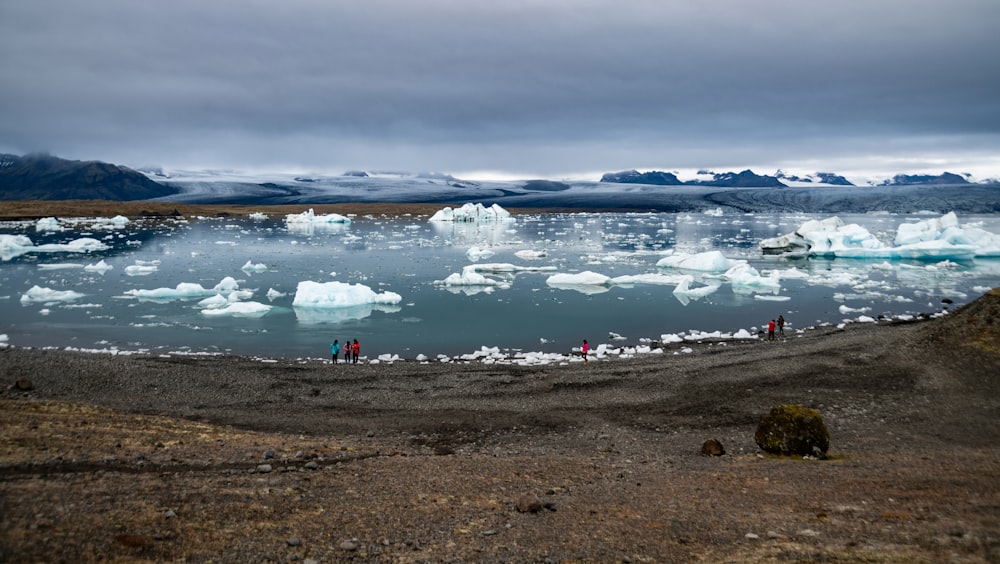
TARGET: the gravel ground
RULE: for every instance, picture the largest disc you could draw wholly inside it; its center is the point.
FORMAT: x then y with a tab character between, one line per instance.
235	459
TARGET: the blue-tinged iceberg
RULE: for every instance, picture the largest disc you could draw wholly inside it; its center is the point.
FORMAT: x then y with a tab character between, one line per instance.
932	239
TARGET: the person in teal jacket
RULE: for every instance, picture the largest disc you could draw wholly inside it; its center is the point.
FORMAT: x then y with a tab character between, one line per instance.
334	350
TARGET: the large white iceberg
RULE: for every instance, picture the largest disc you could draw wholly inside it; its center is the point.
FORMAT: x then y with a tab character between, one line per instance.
937	238
339	294
472	213
946	230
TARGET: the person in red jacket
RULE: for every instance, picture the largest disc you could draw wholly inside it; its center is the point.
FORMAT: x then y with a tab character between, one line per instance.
770	331
585	349
355	350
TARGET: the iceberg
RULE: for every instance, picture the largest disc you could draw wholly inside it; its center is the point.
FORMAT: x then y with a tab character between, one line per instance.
931	239
711	261
310	218
251	267
238	309
472	213
475	253
37	294
12	246
530	255
585	278
470	277
186	291
685	292
101	267
48	224
746	279
311	294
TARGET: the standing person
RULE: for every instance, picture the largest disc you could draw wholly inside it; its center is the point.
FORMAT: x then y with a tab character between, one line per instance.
585	349
334	351
781	325
347	351
356	350
770	330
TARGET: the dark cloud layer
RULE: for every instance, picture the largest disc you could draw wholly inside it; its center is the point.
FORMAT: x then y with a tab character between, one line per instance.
533	87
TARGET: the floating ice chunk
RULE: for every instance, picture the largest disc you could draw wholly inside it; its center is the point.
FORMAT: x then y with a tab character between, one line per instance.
217	301
258	216
339	294
771	298
37	294
101	267
711	261
48	224
60	266
585	278
14	246
717	212
185	291
239	309
844	310
508	268
685	290
791	274
310	217
745	278
140	269
273	294
251	267
530	255
654	279
475	253
472	213
469	277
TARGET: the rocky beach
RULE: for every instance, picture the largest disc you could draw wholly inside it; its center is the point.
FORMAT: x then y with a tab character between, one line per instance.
142	457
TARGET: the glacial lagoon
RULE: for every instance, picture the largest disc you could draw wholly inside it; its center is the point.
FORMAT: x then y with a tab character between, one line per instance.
106	300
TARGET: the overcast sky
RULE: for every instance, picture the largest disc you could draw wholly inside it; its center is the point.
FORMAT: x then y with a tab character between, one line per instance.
527	88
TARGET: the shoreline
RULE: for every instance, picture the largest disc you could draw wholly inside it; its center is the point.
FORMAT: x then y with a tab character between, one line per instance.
233	459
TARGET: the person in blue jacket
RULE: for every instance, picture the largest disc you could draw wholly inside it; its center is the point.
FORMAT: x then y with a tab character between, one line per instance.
334	350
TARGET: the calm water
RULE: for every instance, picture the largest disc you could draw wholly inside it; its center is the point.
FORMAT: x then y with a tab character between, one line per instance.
407	255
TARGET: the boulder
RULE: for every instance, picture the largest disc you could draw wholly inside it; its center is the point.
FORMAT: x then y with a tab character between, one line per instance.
792	429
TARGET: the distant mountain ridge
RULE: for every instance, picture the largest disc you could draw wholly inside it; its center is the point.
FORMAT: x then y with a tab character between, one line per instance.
744	179
44	177
749	179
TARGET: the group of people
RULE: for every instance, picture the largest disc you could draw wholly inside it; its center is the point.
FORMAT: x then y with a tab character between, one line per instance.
351	351
779	324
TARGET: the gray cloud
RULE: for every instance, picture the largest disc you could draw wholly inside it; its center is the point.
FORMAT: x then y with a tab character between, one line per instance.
531	86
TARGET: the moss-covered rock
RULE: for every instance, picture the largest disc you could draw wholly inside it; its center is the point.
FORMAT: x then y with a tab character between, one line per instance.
792	429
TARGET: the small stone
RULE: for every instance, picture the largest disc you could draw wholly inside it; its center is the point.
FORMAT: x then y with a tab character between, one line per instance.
312	465
24	385
169	514
268	454
807	533
773	535
712	447
529	503
264	468
349	545
294	541
751	536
